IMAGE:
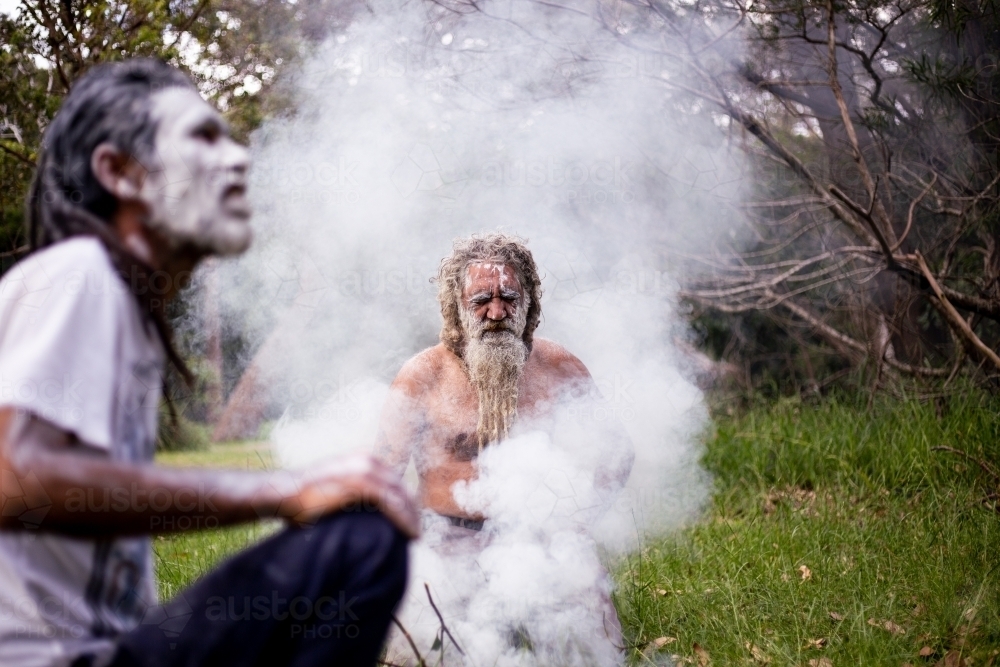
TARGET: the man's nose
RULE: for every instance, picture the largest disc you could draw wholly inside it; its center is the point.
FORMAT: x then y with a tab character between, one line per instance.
237	158
495	311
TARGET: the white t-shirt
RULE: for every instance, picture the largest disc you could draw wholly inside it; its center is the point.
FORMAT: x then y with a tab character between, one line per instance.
76	351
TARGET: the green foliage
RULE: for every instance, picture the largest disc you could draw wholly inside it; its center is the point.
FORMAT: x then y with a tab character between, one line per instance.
944	79
908	139
24	102
898	550
234	51
768	357
956	16
180	434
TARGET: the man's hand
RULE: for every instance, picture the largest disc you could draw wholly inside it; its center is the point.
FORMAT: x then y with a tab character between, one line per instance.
358	482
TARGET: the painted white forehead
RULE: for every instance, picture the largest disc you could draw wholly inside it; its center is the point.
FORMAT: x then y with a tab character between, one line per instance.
495	268
489	266
178	102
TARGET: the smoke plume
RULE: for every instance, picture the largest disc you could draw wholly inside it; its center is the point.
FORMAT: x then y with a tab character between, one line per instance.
416	125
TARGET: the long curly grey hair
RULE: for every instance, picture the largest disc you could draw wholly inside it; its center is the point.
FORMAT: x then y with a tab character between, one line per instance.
499	248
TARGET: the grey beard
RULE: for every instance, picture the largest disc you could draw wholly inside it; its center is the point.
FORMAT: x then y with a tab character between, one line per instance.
495	362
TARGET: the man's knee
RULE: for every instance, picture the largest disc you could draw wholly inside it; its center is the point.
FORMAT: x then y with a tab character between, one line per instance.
368	540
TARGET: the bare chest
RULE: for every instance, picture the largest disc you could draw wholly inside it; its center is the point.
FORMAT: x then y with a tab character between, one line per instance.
452	414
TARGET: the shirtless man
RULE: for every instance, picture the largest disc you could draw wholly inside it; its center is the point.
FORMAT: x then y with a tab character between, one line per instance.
488	378
453	399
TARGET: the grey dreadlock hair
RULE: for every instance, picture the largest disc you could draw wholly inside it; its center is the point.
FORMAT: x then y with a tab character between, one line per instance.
110	103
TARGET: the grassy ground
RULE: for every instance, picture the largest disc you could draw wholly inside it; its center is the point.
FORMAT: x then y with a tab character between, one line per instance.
182	558
836	537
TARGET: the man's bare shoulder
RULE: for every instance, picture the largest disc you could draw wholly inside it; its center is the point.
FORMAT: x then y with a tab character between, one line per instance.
423	370
556	360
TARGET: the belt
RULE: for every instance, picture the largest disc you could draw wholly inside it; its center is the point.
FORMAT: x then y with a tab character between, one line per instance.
461	522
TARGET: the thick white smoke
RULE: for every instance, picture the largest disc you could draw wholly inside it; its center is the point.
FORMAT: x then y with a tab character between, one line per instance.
414	126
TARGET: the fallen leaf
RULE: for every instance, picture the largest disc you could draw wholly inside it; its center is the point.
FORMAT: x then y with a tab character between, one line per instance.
970	613
926	652
660	642
888	626
821	662
704	660
951	659
784	576
805	572
758	655
816	643
834	616
661	592
893	628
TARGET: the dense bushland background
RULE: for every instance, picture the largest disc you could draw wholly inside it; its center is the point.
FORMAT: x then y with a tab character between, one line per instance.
851	317
865	254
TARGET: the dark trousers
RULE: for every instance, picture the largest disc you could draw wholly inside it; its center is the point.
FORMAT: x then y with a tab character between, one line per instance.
322	595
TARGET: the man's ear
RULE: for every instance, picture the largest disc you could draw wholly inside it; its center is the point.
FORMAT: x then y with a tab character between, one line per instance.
118	173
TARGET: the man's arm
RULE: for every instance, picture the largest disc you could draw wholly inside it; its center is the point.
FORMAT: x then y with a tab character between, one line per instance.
51	482
403	422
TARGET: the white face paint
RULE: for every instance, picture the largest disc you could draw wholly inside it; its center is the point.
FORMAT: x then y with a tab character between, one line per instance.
196	186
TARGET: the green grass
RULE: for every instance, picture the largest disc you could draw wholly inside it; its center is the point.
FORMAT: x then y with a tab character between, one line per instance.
182	558
238	455
900	552
888	529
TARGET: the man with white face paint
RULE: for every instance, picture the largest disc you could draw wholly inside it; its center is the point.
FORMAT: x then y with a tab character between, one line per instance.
490	379
195	196
138	180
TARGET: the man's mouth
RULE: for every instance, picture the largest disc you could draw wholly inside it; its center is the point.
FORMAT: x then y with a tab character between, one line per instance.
235	202
496	331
